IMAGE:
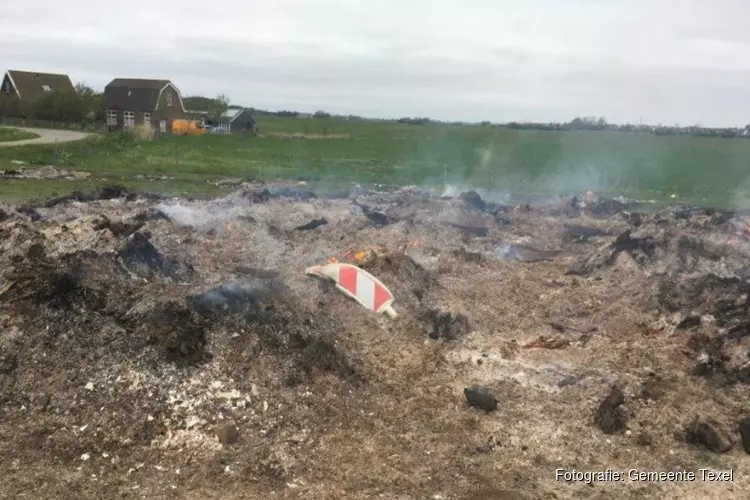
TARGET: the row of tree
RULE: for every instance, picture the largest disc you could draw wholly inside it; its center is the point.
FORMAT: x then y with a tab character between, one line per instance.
285	113
214	107
84	104
601	124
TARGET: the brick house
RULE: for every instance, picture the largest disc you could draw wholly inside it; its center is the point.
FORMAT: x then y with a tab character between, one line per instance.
135	101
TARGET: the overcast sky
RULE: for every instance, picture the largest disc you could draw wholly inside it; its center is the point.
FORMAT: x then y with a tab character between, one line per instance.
685	61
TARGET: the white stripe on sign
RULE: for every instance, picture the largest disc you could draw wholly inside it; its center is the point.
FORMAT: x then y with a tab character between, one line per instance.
366	290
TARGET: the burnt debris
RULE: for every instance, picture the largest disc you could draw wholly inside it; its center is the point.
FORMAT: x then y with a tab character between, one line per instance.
8	364
641	249
313	224
176	333
446	325
118	228
139	257
612	415
689	322
478	231
29	212
605	207
151	214
86	299
691	250
378	219
724	298
576	232
256	272
473	200
105	193
745	434
250	296
268	193
298	194
709	434
480	398
523	253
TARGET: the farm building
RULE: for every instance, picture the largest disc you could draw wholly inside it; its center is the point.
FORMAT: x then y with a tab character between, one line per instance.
137	101
28	86
234	121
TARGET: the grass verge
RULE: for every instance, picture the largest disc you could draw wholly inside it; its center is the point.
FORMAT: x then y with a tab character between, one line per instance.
8	134
701	170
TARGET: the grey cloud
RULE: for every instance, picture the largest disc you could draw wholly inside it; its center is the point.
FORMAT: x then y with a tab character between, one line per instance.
534	60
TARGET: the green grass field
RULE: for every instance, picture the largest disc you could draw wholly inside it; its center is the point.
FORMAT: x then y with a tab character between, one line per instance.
11	134
700	170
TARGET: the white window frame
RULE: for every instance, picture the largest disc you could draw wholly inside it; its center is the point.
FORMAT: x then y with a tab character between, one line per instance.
128	119
147	118
169	99
46	88
112	117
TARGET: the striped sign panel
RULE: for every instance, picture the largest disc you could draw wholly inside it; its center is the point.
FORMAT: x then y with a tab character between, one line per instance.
368	291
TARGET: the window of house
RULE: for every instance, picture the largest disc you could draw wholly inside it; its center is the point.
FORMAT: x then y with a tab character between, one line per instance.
111	117
128	119
169	99
46	88
146	117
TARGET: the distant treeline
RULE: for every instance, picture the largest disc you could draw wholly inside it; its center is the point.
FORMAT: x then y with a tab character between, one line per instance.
600	124
298	114
323	114
582	123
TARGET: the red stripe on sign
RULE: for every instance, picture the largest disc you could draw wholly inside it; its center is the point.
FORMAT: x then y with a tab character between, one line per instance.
348	279
381	296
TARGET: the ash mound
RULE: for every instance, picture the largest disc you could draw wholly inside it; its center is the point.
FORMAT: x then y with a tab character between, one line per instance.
142	335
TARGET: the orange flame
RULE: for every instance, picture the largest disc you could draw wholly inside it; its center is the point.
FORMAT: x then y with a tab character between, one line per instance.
360	256
332	260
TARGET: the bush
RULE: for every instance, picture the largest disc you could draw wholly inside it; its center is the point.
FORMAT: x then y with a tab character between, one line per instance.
58	106
144	132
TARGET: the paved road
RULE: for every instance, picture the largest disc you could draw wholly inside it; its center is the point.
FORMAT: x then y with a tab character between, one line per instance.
47	136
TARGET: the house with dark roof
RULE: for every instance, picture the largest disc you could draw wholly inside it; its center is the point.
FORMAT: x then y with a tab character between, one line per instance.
235	120
28	86
137	101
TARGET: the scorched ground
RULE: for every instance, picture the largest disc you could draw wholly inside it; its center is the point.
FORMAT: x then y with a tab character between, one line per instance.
174	348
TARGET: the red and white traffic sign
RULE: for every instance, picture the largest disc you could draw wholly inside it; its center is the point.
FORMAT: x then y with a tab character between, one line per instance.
359	285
